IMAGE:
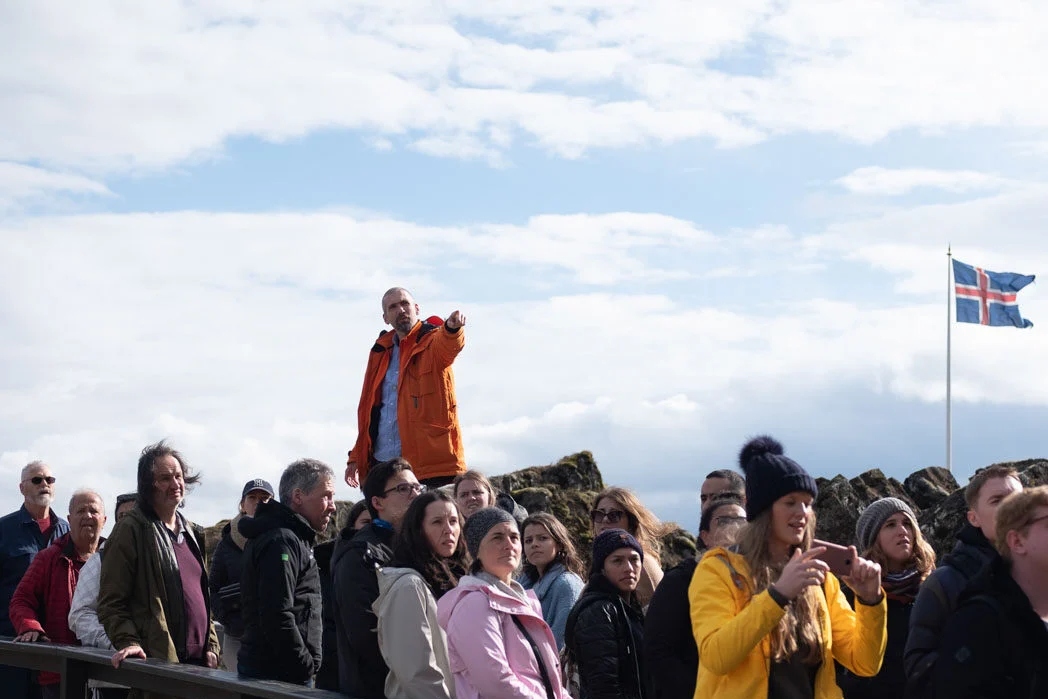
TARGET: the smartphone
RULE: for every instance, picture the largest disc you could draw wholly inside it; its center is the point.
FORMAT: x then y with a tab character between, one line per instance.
837	557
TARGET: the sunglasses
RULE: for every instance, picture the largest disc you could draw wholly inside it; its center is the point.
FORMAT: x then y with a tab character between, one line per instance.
37	480
611	516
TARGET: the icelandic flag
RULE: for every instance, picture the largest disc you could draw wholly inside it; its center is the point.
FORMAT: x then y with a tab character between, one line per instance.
988	298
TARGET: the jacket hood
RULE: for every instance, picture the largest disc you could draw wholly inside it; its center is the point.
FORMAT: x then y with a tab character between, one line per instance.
367	537
972	550
231	532
387	577
497	599
276	515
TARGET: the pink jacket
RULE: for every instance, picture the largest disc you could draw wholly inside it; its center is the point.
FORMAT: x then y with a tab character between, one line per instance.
490	658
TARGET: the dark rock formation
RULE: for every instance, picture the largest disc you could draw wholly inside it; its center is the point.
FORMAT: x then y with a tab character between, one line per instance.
568	488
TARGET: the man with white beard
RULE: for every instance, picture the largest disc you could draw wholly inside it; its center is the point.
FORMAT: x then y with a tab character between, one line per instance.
24	533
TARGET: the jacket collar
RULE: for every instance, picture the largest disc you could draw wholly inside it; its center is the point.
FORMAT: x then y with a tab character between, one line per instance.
498	599
276	515
417	332
28	518
543	584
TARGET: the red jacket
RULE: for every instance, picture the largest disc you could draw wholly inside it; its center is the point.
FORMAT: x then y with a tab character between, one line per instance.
42	599
427	415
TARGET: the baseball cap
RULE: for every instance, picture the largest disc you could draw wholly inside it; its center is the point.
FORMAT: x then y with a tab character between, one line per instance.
257	484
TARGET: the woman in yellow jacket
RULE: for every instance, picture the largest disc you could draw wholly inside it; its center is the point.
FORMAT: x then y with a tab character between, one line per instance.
768	617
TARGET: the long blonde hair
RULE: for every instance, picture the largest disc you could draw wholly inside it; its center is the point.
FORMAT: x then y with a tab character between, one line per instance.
801	625
641	523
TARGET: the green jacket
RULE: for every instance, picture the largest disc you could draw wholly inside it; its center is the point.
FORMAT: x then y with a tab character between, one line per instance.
140	593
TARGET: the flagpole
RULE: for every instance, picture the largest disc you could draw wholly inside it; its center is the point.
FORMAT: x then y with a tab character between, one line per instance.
949	332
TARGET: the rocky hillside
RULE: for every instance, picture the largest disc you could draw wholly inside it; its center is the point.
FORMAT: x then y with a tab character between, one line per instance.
568	487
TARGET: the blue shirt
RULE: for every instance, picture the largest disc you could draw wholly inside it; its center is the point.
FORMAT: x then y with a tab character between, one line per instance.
20	541
387	442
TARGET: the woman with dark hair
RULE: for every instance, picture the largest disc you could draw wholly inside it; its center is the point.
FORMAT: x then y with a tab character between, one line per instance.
552	570
498	643
619	508
429	557
887	533
768	617
605	630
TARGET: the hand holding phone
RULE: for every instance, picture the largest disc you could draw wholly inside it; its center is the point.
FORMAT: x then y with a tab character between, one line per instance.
838	558
802	571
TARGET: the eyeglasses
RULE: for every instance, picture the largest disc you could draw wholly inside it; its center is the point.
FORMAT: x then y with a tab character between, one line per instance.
611	516
405	488
729	521
37	480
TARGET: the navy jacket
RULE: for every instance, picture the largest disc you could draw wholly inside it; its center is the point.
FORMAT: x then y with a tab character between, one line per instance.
20	541
995	645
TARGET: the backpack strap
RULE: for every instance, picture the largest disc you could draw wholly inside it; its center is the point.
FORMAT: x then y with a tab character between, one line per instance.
538	658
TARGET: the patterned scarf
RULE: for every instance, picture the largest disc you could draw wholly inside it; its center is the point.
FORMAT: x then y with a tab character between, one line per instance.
903	586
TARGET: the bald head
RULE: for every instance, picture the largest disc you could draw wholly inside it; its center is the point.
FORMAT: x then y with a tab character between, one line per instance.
399	310
395	290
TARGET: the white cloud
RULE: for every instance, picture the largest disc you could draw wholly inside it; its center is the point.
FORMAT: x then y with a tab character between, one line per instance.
246	345
22	185
879	181
463	79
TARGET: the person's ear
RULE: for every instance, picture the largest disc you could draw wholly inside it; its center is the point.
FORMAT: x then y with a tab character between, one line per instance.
973	519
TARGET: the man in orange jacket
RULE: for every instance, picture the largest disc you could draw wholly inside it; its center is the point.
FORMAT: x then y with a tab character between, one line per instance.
407	405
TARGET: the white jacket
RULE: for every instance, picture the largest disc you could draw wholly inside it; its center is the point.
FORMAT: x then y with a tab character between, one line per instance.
412	643
83	612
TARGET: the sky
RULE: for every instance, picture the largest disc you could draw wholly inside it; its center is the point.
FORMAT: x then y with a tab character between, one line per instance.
671	226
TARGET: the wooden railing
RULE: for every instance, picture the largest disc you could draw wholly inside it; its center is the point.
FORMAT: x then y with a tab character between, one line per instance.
77	665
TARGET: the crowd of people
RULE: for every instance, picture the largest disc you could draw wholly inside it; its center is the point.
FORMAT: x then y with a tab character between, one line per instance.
440	586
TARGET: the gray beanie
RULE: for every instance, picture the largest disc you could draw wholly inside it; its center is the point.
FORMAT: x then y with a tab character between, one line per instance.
480	523
873	518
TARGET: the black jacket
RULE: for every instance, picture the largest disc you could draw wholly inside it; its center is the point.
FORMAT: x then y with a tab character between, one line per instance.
670	654
280	595
994	646
604	636
226	564
327	676
890	681
361	670
937	600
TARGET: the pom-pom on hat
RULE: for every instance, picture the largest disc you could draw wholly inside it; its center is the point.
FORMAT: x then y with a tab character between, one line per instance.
770	474
480	523
873	518
608	542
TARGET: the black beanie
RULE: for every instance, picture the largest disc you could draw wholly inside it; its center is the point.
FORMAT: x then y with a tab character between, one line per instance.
770	475
608	542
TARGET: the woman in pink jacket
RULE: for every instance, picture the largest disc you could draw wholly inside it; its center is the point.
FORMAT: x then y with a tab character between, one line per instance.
498	643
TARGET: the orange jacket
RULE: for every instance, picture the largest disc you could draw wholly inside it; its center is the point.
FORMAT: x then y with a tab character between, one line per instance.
427	417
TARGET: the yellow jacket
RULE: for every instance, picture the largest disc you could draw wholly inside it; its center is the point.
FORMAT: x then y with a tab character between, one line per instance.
732	628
